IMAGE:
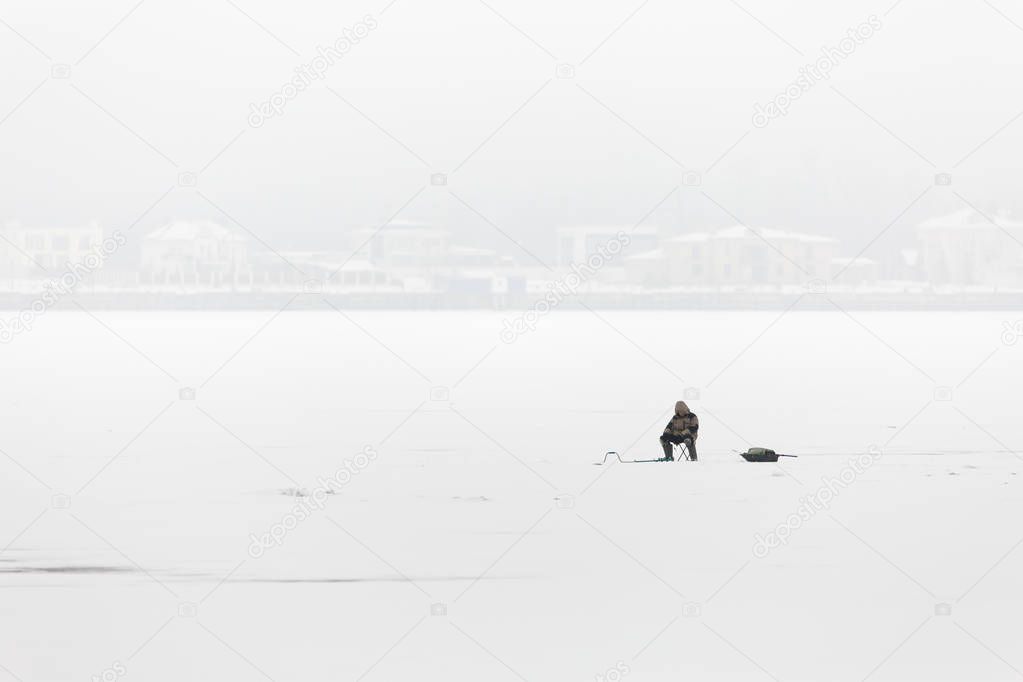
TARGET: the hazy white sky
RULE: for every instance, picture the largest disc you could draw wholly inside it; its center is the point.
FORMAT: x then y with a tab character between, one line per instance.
468	88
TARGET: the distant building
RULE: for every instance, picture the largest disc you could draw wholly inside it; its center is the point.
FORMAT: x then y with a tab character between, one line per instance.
577	244
899	265
417	256
647	269
734	256
472	257
199	253
39	252
359	274
855	271
967	249
317	269
402	244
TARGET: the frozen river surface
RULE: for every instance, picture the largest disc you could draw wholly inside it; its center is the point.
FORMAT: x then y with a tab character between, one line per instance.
152	528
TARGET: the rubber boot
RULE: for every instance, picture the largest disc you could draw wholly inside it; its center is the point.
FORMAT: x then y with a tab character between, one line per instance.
691	447
668	456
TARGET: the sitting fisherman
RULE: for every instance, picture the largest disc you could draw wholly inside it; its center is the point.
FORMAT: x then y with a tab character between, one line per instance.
682	429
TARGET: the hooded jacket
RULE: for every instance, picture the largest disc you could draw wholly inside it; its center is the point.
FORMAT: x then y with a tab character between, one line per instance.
684	424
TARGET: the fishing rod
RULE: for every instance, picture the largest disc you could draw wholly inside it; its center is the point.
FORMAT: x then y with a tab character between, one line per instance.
751	455
626	461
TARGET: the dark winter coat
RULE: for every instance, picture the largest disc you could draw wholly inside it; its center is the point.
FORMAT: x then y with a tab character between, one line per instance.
684	425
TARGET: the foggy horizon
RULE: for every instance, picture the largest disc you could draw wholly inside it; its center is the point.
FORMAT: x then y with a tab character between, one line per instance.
473	90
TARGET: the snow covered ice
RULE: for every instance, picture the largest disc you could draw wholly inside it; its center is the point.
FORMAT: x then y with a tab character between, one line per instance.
433	512
318	321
